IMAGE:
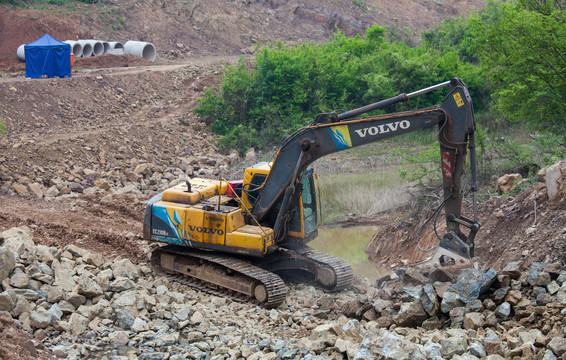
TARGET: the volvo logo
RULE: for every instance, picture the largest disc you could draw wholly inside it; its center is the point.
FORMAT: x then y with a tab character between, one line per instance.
383	128
206	230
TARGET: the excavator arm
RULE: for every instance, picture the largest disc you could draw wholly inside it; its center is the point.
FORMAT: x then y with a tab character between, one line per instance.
337	132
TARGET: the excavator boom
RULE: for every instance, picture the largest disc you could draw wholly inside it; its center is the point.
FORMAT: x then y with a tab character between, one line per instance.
337	132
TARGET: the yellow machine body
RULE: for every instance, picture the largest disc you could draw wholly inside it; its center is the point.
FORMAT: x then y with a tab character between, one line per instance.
201	218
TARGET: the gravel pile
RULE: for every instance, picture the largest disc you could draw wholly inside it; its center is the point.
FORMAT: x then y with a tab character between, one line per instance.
82	305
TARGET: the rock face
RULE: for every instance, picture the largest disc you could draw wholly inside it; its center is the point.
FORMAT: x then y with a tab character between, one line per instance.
85	306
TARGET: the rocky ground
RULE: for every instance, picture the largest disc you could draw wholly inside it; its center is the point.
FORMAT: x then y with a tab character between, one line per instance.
79	304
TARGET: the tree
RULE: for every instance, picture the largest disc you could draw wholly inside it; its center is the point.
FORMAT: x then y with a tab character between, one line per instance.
522	47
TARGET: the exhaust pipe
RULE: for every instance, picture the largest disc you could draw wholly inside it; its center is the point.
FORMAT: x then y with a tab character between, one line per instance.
115	48
21	52
76	48
140	48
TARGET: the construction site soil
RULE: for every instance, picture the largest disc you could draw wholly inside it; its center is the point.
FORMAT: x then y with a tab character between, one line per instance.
120	112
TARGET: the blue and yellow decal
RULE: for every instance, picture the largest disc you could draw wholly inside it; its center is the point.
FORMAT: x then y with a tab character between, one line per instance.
167	223
341	136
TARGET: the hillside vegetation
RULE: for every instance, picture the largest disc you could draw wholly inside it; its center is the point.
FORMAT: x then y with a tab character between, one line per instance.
510	55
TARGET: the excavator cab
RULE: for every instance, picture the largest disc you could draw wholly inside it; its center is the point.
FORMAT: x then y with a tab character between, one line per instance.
301	226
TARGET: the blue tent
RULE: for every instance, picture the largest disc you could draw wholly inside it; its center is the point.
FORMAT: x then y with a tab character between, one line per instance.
47	56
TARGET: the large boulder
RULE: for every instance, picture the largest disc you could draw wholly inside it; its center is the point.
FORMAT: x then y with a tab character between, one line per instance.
125	268
411	314
471	284
556	180
506	183
18	239
429	300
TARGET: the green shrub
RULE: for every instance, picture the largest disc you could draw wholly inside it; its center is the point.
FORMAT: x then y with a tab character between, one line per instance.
288	86
521	46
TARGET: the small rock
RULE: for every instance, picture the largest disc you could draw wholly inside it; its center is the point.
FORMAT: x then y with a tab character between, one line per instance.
513	297
429	300
141	169
558	346
36	189
20	189
125	268
503	311
75	187
7	262
121	284
38	320
20	279
453	346
538	278
127	298
197	318
88	287
102	184
476	349
7	301
411	314
118	338
75	299
474	321
543	299
18	239
78	324
492	343
140	325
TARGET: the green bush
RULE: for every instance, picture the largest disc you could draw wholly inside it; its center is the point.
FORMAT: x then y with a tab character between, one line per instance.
288	86
521	46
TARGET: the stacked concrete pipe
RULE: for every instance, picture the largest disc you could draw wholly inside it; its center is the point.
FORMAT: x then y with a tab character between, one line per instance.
21	52
140	48
87	48
106	46
115	48
96	47
76	48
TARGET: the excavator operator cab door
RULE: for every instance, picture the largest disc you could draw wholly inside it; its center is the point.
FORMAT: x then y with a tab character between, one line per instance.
302	227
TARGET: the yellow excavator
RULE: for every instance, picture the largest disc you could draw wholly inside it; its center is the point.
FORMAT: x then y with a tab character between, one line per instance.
235	238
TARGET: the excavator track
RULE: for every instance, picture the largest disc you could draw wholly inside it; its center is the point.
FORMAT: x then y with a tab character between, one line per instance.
219	275
342	269
329	272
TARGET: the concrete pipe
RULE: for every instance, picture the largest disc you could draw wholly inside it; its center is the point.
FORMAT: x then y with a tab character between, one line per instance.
140	48
87	48
96	46
21	52
106	46
76	48
116	48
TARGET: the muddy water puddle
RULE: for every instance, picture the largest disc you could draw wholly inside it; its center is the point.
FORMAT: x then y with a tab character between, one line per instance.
350	243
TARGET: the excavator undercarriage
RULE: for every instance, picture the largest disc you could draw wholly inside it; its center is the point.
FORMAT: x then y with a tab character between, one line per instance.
241	280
